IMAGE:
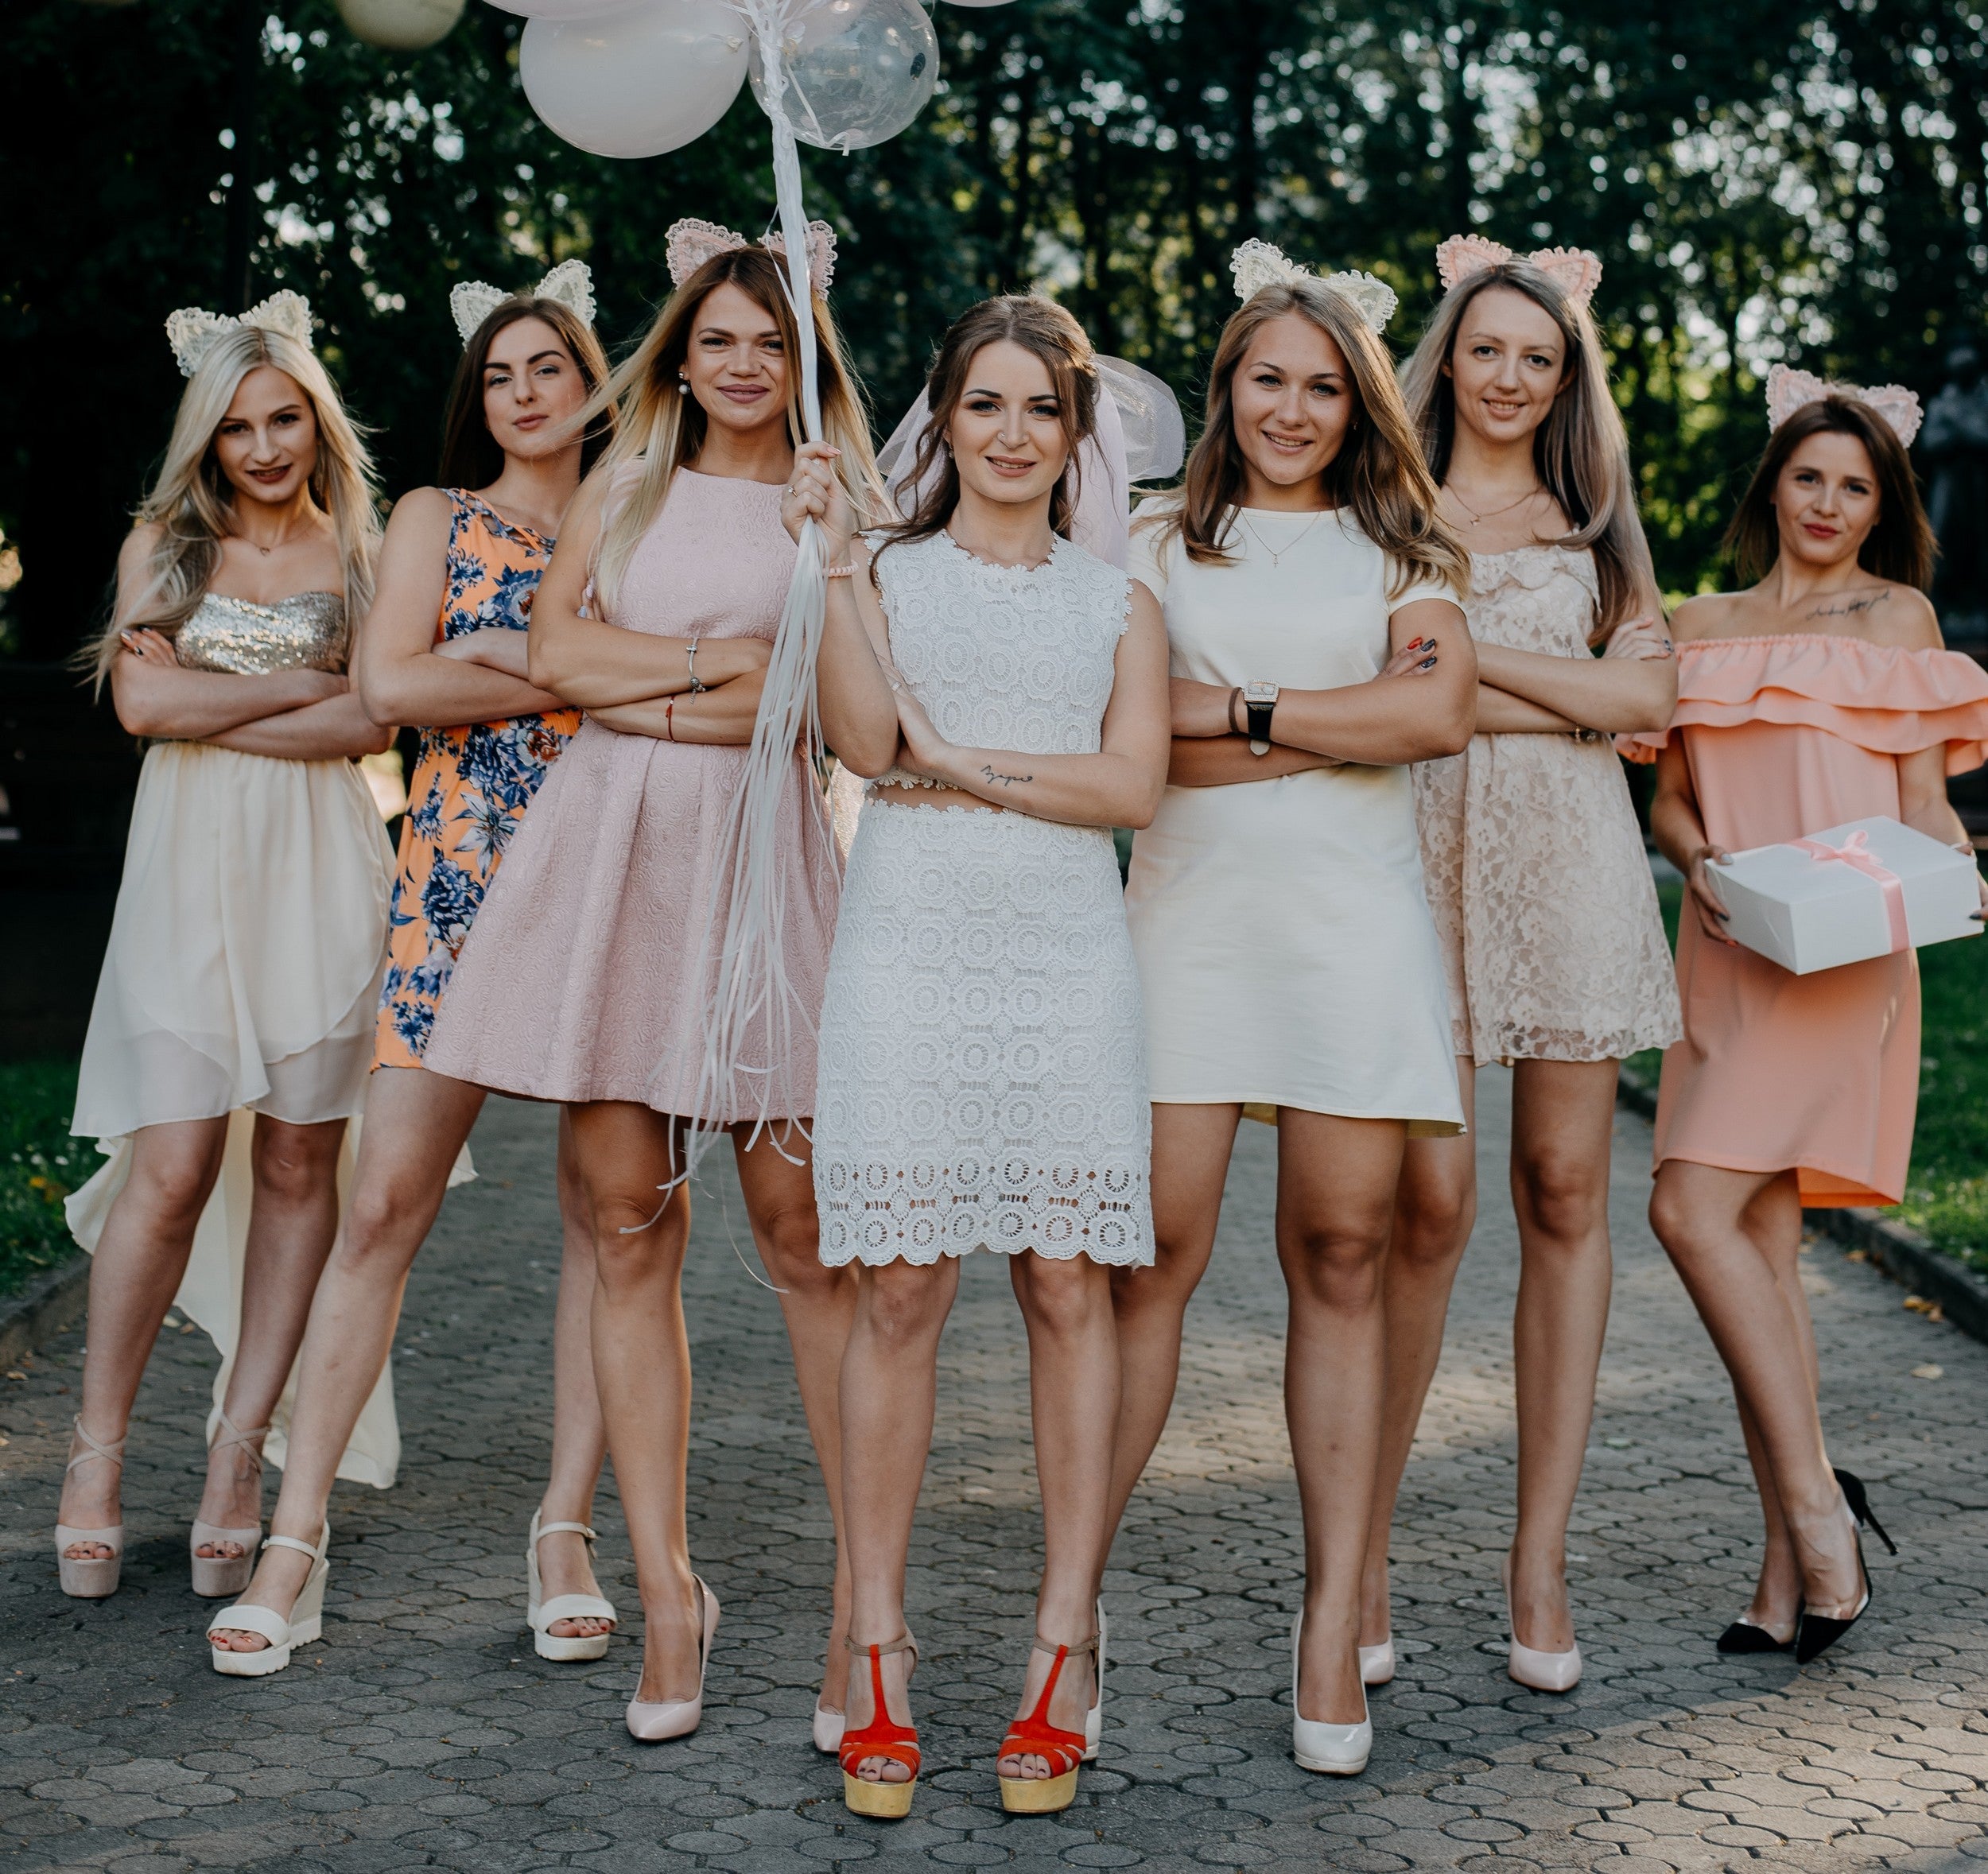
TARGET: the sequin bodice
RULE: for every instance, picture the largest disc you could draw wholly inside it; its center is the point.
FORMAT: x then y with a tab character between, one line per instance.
306	631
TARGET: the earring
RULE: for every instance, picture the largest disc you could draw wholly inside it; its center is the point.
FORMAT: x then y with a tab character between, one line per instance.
683	385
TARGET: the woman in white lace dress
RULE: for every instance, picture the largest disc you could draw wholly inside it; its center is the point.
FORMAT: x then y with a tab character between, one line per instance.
1536	874
982	1067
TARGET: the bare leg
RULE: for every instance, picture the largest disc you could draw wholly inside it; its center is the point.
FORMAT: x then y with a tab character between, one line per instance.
890	1379
818	1305
1336	1182
579	1434
416	1122
1435	1206
1191	1149
641	1364
139	1260
291	1221
1074	1400
1698	1212
1776	1235
1562	1118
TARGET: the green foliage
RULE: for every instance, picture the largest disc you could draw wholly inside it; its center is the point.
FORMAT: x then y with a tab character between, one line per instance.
1947	1195
39	1164
1761	180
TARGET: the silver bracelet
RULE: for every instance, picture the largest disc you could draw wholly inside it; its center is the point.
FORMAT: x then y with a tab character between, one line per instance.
690	666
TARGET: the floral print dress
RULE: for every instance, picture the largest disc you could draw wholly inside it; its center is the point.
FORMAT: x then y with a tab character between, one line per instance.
471	785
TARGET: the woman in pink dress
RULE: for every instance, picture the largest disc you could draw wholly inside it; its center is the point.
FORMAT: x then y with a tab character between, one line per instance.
587	977
1817	695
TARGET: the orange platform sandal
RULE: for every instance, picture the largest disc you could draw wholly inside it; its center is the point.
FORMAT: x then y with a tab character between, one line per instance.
884	1736
1036	1736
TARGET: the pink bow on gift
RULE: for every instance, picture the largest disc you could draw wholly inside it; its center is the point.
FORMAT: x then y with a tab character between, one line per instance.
1855	852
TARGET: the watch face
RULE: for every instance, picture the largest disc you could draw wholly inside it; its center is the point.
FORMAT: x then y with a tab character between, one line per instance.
1259	693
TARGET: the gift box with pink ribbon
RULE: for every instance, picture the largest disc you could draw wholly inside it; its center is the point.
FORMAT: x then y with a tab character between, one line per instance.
1864	889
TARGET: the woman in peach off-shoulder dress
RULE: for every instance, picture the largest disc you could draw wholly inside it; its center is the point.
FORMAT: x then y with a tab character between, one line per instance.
1818	694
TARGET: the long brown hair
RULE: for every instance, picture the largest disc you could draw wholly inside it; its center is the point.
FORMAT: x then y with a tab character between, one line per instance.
1041	328
662	430
1900	548
1580	452
1379	472
470	458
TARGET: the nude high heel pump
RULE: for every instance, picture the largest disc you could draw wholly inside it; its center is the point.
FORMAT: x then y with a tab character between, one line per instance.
540	1613
1094	1718
1527	1665
657	1721
1376	1663
306	1622
91	1577
216	1577
1330	1750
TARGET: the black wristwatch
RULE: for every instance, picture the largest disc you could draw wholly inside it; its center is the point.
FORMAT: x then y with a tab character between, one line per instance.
1260	700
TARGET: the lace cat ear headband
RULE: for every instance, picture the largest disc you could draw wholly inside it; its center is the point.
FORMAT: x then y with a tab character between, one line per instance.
691	242
1256	265
471	301
1574	270
192	332
1788	391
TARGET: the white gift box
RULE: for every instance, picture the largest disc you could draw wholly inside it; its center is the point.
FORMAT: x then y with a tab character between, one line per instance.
1864	889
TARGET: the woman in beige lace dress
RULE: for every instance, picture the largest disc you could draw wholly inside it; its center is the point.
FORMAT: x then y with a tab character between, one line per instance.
1536	875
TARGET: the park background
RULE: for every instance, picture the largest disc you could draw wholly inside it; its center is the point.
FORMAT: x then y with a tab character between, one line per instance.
1763	180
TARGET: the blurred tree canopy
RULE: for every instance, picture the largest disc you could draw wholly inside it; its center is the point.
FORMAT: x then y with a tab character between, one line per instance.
1763	181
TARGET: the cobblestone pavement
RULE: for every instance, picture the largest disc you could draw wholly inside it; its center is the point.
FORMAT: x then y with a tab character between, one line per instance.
424	1733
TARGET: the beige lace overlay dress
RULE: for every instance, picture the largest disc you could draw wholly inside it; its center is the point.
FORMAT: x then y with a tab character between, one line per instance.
1533	860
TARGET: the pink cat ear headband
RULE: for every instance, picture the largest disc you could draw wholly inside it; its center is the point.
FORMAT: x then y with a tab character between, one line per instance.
691	242
1574	270
1788	391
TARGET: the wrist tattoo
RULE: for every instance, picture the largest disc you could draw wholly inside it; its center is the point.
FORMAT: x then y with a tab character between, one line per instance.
988	773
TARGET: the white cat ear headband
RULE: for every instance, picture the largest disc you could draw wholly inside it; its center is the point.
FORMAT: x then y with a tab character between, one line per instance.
1574	270
1788	391
1256	265
192	332
691	242
471	301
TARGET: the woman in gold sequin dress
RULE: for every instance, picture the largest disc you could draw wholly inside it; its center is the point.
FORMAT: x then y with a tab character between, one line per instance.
233	1025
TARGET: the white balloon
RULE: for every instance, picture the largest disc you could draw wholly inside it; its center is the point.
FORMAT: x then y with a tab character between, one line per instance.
400	25
638	82
980	2
559	9
858	71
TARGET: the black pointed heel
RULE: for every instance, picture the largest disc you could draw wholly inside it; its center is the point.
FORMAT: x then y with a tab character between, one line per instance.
1815	1634
1743	1636
1852	1487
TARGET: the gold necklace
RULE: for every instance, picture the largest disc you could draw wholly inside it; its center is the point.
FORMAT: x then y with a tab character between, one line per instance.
1289	545
1491	513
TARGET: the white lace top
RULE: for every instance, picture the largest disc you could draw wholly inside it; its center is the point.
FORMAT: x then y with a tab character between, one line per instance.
1005	657
1552	942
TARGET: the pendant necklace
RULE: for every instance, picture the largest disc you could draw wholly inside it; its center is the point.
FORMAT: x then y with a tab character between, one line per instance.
1491	513
1277	553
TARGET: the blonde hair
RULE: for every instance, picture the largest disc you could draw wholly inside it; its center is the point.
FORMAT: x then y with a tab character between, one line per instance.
1580	452
192	502
662	430
1379	472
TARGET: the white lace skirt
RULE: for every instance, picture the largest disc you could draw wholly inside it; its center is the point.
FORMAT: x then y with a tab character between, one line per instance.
983	1056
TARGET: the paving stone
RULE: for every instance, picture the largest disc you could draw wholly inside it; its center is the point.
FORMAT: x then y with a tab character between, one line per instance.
424	1733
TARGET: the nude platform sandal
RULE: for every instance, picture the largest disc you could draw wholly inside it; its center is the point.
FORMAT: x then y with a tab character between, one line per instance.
1036	1736
216	1577
91	1577
540	1614
657	1721
305	1624
884	1736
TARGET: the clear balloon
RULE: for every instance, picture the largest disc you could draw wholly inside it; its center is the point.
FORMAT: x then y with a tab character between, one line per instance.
980	2
400	25
560	9
858	71
649	78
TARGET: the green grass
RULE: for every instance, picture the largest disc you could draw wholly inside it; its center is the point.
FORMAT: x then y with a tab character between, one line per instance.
39	1164
1947	1190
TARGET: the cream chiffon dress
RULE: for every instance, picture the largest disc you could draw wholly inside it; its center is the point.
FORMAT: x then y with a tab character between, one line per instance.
243	972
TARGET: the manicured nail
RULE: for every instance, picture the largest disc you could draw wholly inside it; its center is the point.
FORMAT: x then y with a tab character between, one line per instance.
1428	663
